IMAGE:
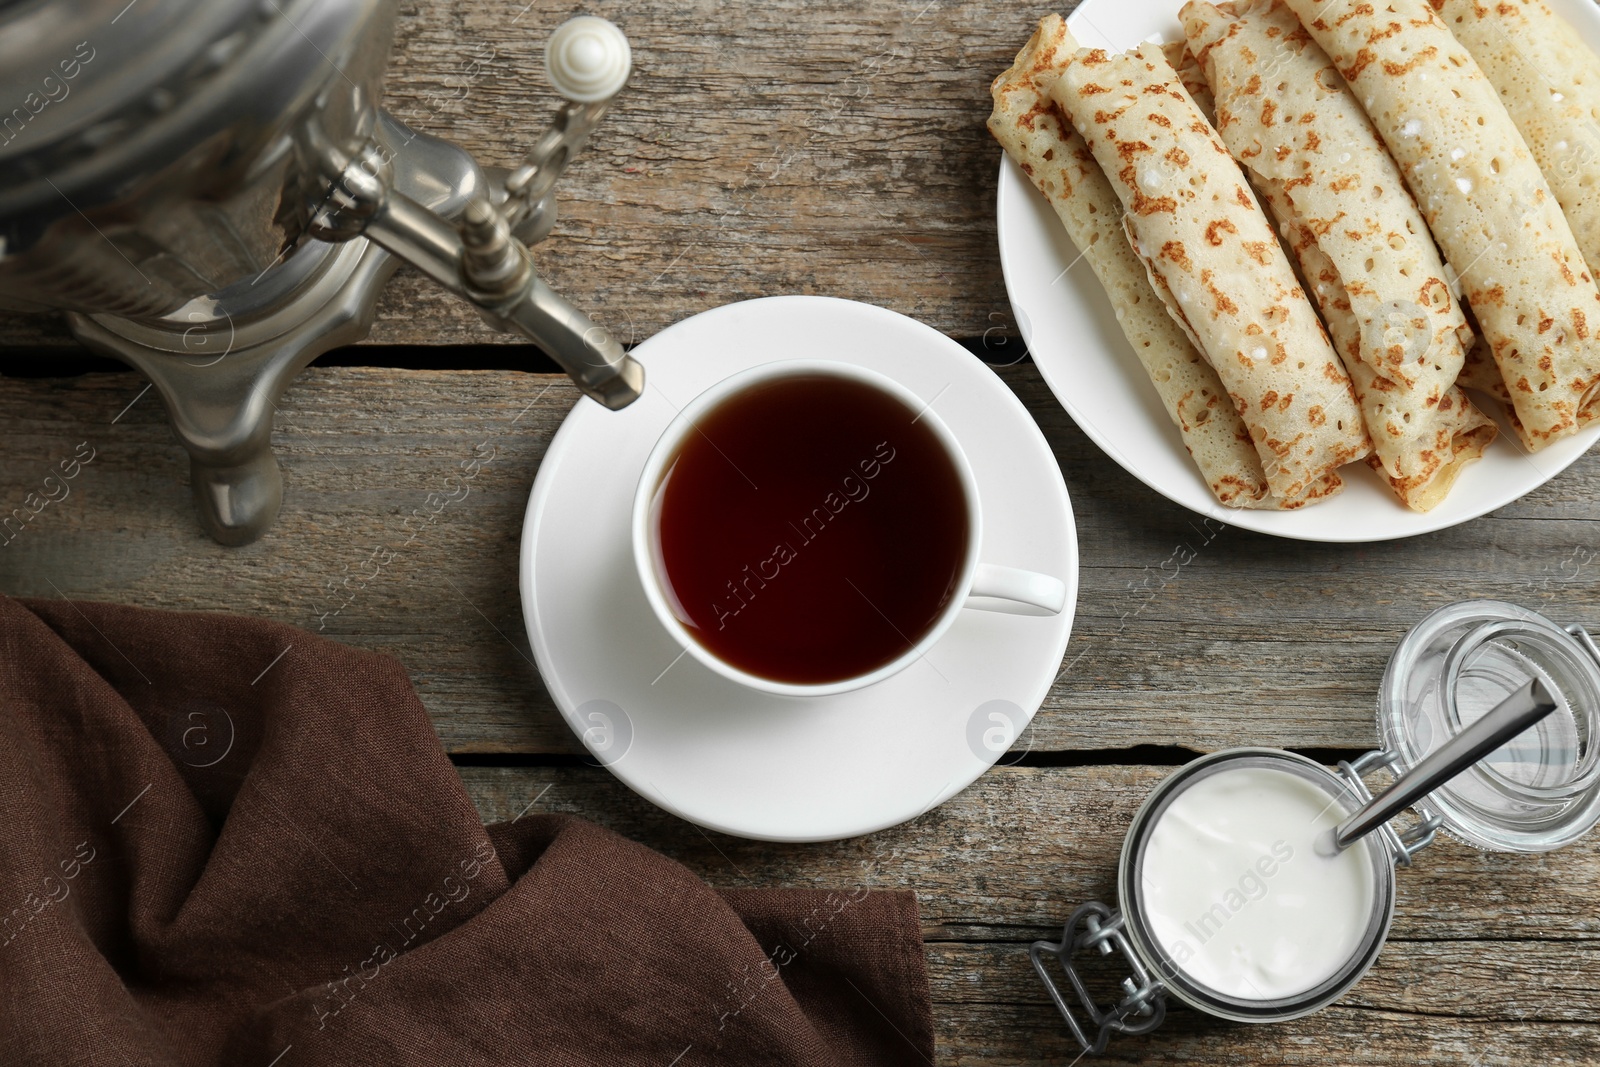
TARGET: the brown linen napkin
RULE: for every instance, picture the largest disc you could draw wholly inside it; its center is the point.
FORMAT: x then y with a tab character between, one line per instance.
230	842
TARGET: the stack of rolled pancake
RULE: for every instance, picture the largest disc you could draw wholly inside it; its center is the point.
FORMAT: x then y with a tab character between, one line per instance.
1034	131
1362	245
1330	110
1280	419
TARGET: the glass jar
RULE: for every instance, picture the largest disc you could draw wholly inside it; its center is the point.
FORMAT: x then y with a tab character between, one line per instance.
1536	793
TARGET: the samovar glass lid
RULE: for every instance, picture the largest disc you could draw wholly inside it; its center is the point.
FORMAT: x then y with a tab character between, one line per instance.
1542	790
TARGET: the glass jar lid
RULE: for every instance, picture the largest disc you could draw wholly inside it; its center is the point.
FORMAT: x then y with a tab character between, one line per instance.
1540	791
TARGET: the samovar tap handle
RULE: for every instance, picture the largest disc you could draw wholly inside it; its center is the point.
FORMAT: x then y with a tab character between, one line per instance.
482	255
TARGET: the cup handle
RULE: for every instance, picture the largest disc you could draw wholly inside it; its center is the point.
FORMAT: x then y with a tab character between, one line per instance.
1011	590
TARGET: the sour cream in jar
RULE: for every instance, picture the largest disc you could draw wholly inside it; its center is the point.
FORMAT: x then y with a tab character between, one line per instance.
1236	893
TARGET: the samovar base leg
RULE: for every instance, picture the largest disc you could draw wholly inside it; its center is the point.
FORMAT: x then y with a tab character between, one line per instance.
222	361
221	381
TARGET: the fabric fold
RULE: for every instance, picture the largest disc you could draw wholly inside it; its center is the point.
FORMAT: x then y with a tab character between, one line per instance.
231	842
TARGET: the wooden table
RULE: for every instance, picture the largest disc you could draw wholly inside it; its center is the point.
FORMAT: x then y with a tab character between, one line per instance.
788	147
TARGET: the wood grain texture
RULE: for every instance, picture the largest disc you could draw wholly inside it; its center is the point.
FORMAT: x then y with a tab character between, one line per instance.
1492	958
787	147
1255	640
831	148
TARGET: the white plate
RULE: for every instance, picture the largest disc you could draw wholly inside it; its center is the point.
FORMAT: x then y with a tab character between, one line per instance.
783	768
1072	333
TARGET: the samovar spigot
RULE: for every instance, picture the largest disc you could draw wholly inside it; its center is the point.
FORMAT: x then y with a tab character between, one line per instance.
482	253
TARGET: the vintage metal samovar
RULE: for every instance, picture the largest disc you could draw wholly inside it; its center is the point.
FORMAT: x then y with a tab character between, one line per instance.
211	191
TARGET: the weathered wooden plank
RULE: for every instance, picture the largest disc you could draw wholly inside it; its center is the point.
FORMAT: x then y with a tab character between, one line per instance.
789	147
1491	956
1010	857
1255	640
1014	1035
1504	981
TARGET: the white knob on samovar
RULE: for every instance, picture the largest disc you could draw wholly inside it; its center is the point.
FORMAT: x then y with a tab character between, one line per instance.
588	59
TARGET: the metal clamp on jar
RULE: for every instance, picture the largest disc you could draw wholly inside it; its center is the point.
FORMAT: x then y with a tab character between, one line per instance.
212	193
1256	885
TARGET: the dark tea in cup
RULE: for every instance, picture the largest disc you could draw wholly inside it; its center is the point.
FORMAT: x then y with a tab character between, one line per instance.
810	528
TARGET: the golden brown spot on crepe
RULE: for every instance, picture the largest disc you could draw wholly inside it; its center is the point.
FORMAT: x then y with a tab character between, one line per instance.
1128	149
1316	416
1293	183
1362	61
1374	36
1523	386
1257	250
1580	324
1285	402
1332	373
1268	109
1173	252
1313	142
1224	304
1027	168
1269	399
1215	228
1394	69
1142	204
1283	152
1545	364
1566	271
1253	86
1495	295
1177	157
1339	185
1320	227
1038	109
1160	120
1093	90
1545	324
1242	197
1095	57
1200	127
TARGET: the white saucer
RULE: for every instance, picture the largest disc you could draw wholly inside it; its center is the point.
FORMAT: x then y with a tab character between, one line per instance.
784	768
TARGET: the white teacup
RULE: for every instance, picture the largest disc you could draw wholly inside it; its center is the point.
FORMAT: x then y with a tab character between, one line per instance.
979	585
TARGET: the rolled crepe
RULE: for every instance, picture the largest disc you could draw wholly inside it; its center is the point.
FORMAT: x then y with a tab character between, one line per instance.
1550	85
1212	256
1031	129
1288	118
1481	374
1483	196
1192	77
1430	432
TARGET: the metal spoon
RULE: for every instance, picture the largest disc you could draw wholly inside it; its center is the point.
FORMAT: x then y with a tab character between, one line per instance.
1525	706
